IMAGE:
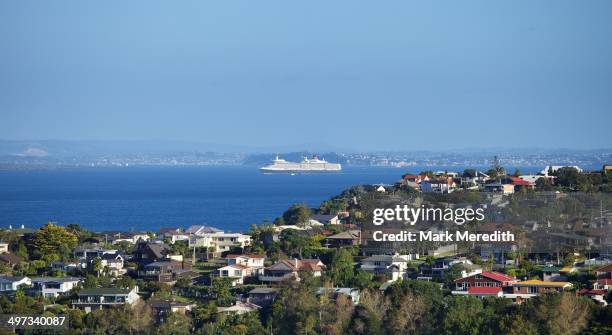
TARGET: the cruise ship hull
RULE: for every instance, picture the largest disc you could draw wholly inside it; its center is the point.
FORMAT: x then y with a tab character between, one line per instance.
298	170
313	165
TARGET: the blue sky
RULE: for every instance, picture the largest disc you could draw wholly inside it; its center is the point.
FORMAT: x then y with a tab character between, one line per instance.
351	74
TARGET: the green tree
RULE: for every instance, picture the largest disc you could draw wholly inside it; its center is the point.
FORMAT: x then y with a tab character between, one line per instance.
297	215
51	238
175	324
341	271
464	315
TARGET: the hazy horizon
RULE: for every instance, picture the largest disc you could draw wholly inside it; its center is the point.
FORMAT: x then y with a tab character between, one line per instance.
352	76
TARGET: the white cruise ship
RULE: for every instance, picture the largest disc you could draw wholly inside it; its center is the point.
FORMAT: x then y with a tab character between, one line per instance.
305	166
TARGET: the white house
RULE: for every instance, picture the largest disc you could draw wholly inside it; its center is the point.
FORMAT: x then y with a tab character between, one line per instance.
132	238
252	261
10	284
54	287
114	262
89	299
237	272
443	185
324	219
393	265
3	248
221	241
349	292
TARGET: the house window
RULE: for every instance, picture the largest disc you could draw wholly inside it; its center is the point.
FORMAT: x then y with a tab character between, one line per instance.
237	273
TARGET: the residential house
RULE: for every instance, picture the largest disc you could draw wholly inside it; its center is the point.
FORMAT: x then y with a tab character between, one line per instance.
603	278
166	271
440	266
88	254
12	284
129	237
394	266
496	250
4	248
263	296
202	230
239	308
473	177
598	296
114	264
236	272
552	273
325	219
10	259
53	287
497	187
149	252
482	292
526	289
163	308
90	299
414	178
485	279
290	268
344	239
440	185
518	183
173	236
250	260
349	292
220	241
242	266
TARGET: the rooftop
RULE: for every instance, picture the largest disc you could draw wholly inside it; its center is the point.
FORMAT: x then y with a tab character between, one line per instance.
536	282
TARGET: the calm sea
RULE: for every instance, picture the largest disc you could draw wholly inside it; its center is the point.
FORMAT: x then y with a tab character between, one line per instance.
147	198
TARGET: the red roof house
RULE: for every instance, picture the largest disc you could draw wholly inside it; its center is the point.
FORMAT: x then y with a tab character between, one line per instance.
485	279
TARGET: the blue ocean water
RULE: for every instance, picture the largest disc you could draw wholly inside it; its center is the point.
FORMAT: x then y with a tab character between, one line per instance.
147	198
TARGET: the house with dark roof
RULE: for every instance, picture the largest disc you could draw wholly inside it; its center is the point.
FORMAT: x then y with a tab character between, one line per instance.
166	271
148	252
90	299
290	268
344	239
53	286
10	259
163	308
552	273
12	284
439	185
263	296
114	264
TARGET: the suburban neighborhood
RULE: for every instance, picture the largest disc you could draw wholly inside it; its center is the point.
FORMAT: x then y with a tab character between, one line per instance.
312	260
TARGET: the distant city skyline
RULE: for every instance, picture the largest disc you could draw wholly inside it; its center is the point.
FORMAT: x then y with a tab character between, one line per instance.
345	76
